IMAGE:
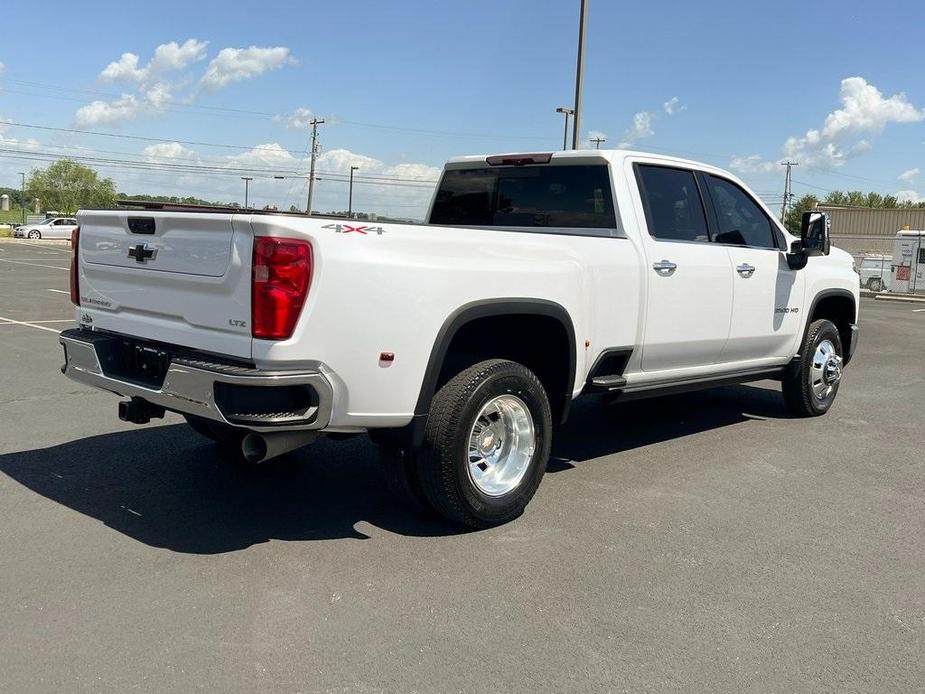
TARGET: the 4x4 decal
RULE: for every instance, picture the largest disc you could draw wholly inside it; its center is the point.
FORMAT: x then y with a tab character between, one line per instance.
347	228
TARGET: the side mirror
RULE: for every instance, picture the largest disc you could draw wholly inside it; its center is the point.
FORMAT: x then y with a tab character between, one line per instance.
814	234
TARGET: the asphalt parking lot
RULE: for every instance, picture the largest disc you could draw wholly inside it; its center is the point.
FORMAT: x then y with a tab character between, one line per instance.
703	542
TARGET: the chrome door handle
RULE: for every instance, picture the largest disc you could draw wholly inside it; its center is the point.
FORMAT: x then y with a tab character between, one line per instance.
664	267
746	270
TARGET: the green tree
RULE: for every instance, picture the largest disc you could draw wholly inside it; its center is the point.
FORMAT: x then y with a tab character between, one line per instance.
67	186
795	215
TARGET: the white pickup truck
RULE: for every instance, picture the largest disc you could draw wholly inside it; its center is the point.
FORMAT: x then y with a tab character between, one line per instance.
459	344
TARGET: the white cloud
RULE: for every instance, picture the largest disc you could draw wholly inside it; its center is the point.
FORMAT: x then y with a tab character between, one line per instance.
168	150
909	175
641	128
909	196
154	87
237	64
673	106
174	56
846	131
167	57
108	112
124	69
844	134
299	119
2	68
752	164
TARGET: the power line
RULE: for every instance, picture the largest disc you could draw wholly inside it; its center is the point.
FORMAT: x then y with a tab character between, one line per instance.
210	171
182	107
150	139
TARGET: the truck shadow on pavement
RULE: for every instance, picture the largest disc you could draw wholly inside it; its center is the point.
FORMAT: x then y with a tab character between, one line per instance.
168	488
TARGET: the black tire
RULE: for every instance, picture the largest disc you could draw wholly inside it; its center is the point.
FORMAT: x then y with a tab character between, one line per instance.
443	463
227	437
875	284
798	381
38	235
399	470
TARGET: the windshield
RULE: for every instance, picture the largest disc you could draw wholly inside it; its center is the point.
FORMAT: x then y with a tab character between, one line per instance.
529	196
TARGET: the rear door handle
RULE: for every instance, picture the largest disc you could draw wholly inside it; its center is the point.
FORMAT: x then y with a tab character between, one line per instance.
664	267
746	270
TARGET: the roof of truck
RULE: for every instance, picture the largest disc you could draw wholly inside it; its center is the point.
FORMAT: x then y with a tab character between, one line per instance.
585	154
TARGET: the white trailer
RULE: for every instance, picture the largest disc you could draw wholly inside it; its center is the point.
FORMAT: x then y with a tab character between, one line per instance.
908	269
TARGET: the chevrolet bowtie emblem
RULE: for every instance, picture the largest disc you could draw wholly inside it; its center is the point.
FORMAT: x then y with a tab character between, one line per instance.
141	253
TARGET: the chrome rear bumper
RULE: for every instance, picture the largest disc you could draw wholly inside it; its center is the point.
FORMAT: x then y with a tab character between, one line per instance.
189	385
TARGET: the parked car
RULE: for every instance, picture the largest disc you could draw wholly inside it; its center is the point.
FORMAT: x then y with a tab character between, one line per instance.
55	228
459	344
875	272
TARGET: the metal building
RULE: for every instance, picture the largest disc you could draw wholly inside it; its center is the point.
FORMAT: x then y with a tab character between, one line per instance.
871	230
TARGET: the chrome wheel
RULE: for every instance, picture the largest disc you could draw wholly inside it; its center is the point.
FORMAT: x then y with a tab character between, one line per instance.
34	235
825	372
501	445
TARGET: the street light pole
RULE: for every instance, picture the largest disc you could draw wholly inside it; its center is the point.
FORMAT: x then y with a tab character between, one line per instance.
576	123
568	112
22	196
350	196
247	180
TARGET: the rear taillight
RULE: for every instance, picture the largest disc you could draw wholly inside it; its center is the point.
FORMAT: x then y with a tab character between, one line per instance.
281	275
75	289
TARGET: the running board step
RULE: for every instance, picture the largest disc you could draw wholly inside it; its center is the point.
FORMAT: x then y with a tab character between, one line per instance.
607	382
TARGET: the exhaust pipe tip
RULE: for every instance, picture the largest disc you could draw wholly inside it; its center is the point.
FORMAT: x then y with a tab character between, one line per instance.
257	448
254	448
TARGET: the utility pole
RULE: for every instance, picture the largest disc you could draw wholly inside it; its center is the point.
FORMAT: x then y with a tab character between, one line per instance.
568	112
597	141
311	173
22	196
350	197
787	193
576	123
247	181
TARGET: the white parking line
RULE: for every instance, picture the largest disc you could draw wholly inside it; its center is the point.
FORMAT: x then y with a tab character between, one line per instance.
918	310
8	321
19	262
57	249
59	291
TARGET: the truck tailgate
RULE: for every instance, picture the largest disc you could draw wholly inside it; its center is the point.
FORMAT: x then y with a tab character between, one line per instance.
177	277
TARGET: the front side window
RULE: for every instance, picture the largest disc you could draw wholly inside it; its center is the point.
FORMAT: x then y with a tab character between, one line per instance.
530	196
674	210
740	220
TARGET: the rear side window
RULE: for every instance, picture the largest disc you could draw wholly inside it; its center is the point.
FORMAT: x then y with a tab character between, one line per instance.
674	209
739	218
577	197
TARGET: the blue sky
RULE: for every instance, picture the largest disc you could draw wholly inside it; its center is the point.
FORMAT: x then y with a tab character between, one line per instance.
403	85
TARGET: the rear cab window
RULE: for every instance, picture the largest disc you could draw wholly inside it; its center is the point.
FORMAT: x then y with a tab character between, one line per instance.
673	206
547	197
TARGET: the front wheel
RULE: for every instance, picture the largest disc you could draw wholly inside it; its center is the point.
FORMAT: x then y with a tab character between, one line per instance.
486	444
811	383
35	234
875	284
